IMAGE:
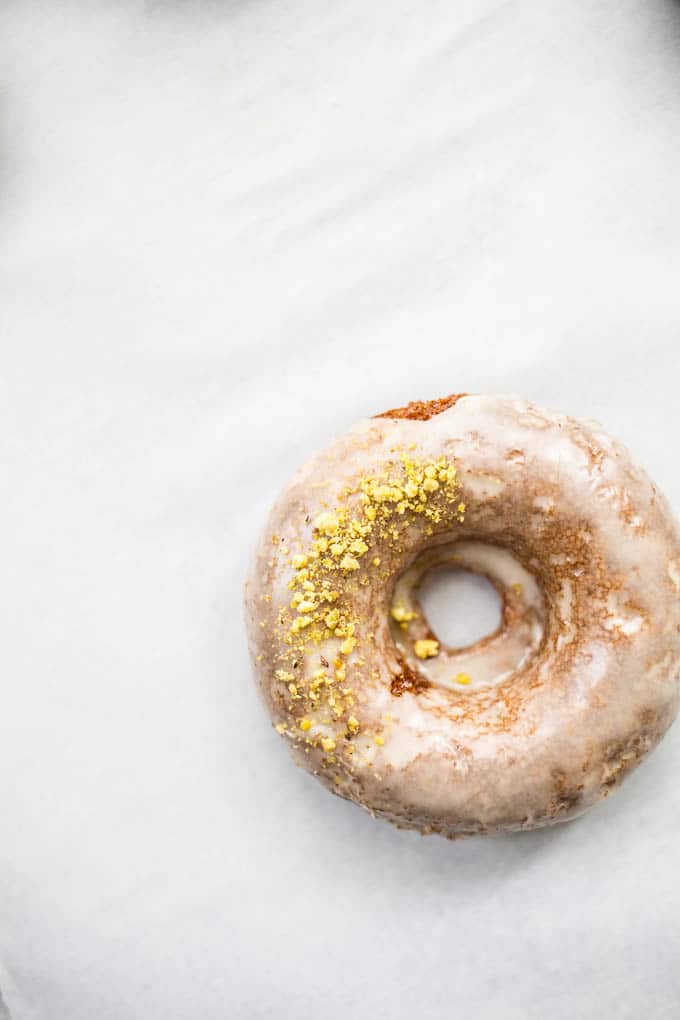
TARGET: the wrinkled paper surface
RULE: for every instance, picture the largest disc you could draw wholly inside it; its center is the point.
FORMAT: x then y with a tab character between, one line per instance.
228	231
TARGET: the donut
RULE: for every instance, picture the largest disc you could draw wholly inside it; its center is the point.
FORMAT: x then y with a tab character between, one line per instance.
534	723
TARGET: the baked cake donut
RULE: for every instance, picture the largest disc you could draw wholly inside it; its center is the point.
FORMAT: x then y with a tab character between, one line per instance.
536	722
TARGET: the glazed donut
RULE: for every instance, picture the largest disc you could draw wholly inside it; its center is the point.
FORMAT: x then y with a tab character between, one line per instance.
529	726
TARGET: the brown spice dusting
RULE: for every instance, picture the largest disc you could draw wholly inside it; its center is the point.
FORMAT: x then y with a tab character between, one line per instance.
422	410
409	680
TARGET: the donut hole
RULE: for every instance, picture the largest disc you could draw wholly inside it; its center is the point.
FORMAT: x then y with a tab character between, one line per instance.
460	606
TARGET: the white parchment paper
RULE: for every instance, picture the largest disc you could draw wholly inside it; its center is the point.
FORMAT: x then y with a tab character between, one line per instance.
227	231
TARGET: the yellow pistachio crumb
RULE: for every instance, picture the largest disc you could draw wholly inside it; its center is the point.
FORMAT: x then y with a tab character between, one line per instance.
349	563
328	744
306	607
380	741
299	562
376	561
353	724
280	727
300	623
331	619
463	678
326	524
426	648
402	615
305	724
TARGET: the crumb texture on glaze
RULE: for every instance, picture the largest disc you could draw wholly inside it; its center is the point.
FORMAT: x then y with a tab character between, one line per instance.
422	410
533	724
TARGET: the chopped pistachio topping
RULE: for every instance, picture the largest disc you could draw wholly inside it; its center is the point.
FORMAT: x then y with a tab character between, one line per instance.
402	615
338	557
426	648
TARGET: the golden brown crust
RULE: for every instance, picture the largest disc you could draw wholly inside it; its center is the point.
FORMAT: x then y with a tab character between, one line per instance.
422	410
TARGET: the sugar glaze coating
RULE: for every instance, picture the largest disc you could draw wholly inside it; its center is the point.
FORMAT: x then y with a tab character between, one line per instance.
532	725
